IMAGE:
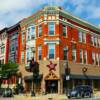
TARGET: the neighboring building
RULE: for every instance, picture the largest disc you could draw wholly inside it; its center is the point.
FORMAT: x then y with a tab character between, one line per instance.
67	41
3	45
14	43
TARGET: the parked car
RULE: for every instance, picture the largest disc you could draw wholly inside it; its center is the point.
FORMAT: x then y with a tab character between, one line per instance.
1	91
81	91
7	92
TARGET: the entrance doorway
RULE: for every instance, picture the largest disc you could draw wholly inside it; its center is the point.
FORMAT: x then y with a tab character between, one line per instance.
51	86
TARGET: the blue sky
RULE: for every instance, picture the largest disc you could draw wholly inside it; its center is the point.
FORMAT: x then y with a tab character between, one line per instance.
12	11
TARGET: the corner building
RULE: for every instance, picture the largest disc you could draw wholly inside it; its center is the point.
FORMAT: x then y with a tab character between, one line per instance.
63	42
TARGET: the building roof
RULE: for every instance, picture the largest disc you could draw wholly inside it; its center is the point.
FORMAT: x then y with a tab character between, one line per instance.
60	11
3	30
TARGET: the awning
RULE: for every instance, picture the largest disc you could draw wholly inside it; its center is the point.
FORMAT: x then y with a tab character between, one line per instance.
30	78
85	77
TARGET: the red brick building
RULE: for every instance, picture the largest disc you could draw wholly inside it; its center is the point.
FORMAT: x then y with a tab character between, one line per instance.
66	47
69	42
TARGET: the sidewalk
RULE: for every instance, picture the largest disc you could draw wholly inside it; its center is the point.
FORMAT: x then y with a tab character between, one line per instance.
43	97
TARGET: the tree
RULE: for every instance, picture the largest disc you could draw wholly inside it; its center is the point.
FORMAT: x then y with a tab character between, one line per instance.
8	69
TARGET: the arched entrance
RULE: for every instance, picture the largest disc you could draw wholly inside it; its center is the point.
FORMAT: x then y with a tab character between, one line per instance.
51	83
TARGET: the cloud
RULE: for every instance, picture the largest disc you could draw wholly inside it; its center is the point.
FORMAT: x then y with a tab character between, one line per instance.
12	11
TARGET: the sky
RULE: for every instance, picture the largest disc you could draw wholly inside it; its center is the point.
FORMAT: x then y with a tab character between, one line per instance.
12	11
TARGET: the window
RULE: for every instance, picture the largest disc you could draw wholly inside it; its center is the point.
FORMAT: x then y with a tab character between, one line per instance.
51	28
64	30
85	57
84	37
80	36
28	56
95	41
40	52
65	53
97	59
2	50
22	57
81	56
51	50
93	57
39	30
23	38
31	33
74	53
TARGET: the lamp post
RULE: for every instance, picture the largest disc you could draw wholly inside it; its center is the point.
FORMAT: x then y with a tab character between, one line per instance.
67	74
34	67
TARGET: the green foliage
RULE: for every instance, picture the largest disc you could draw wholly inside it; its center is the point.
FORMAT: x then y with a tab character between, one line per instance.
9	69
9	66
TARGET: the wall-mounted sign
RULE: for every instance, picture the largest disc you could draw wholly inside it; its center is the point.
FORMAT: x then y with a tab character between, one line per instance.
51	66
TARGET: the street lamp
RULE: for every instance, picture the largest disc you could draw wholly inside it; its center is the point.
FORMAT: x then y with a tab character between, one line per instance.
67	74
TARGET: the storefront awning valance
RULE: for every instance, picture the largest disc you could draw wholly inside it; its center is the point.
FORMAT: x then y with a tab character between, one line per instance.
85	77
30	78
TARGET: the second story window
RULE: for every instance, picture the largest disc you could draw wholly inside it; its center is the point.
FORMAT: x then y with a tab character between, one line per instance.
97	59
73	53
64	30
39	52
93	57
39	30
85	57
51	51
65	53
81	56
51	28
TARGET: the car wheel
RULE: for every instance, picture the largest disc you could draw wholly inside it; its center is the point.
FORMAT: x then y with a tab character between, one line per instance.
89	95
69	97
78	95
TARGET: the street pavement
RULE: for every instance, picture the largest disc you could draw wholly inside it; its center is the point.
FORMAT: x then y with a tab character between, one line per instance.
48	97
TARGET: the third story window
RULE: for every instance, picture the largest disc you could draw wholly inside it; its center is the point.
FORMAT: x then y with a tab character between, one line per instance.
39	30
64	30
